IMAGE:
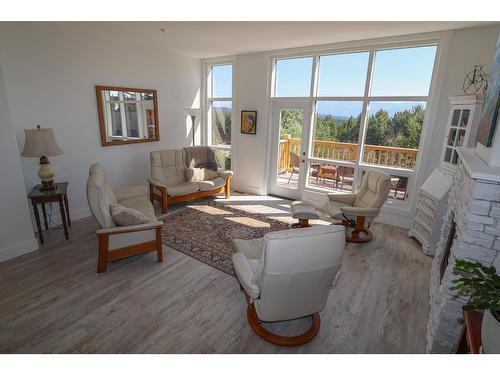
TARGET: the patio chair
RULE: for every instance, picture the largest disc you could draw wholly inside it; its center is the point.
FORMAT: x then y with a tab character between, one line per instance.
295	162
345	174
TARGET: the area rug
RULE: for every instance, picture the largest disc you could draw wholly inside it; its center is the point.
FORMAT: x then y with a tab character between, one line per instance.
205	231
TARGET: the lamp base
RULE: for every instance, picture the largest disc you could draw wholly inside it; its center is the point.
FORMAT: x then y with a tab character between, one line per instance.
47	185
46	174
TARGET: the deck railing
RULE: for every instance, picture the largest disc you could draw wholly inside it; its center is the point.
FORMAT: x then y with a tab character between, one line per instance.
386	156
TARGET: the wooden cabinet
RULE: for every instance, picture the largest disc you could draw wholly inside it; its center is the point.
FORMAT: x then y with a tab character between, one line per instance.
461	128
431	208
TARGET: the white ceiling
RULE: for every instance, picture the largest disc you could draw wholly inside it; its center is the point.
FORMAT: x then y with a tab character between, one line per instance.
212	39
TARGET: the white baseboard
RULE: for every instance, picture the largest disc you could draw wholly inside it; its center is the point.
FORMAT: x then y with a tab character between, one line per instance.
18	249
74	215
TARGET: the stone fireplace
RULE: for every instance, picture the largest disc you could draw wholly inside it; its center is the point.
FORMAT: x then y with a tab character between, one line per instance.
471	230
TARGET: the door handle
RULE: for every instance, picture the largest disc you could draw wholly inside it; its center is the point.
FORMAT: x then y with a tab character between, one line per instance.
304	153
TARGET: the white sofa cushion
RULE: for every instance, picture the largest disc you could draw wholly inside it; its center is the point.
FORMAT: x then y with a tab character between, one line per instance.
168	166
125	216
200	174
141	204
215	183
182	189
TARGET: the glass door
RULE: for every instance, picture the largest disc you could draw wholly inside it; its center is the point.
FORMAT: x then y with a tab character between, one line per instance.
290	124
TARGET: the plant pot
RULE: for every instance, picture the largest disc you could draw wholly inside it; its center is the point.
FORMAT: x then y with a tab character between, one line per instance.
490	334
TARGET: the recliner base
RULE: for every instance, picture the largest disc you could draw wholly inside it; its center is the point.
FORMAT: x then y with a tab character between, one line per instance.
257	327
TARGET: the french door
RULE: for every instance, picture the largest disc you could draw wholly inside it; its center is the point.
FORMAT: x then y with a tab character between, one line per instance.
290	124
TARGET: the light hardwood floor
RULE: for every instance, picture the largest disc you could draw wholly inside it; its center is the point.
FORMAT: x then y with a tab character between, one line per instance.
53	301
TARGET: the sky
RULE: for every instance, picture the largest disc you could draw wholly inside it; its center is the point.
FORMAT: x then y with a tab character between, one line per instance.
397	72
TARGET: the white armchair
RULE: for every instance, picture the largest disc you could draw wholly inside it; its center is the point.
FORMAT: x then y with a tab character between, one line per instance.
287	275
117	242
357	210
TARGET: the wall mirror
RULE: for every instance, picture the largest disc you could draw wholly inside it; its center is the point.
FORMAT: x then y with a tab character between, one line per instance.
127	115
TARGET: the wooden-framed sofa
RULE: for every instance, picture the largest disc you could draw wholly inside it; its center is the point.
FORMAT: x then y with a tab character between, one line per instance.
186	174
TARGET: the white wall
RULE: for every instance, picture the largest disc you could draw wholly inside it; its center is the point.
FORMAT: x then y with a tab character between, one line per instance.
466	48
16	234
250	150
50	73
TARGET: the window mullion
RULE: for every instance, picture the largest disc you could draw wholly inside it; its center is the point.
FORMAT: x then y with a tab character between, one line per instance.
363	122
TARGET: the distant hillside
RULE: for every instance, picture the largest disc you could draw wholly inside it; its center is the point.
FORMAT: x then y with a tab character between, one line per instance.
337	118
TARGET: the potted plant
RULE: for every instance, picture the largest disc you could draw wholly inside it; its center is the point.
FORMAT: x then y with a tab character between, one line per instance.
482	284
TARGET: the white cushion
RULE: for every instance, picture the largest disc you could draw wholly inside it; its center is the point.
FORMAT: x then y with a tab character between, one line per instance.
300	210
141	204
182	189
168	166
200	174
125	216
215	183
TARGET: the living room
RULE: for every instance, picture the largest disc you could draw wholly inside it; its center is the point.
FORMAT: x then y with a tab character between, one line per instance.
154	178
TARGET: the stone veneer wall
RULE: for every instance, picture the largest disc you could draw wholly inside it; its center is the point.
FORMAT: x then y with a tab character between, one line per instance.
475	206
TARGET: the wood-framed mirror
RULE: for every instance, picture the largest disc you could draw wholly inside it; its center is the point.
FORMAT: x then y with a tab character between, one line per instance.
127	115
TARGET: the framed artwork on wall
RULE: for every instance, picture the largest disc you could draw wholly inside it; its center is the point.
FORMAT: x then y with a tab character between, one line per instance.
248	122
489	115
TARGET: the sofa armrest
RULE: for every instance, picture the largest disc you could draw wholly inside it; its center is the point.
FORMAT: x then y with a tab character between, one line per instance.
156	183
223	173
245	274
342	198
130	228
360	211
131	191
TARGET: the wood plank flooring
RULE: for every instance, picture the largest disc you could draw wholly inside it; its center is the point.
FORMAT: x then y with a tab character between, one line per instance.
53	301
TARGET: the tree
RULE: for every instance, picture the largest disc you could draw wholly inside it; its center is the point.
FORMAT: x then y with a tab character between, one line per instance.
348	131
291	123
222	130
378	128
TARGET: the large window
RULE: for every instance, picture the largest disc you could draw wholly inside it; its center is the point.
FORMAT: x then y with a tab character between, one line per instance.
369	108
219	111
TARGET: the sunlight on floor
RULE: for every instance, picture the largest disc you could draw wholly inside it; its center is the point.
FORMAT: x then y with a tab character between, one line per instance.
249	222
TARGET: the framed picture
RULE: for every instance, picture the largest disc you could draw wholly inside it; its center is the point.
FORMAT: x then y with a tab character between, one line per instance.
491	107
248	122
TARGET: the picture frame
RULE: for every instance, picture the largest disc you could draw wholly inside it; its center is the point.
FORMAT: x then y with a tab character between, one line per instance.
248	122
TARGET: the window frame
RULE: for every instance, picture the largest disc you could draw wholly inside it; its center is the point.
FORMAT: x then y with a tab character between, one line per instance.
366	99
210	99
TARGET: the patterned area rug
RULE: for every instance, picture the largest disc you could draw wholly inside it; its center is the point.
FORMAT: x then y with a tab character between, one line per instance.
205	231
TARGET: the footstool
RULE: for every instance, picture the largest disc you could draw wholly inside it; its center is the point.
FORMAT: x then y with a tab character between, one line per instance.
303	212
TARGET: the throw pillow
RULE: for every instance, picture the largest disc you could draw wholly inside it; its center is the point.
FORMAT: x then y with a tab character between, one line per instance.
195	174
124	216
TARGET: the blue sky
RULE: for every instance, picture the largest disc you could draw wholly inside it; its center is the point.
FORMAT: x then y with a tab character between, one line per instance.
397	72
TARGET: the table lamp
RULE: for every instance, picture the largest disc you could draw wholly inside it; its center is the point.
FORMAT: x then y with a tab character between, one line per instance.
40	142
193	112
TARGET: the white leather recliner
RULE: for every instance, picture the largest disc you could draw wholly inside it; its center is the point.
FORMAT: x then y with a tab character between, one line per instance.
356	210
287	275
117	242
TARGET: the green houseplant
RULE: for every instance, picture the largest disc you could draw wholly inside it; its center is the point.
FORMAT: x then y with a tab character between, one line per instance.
482	284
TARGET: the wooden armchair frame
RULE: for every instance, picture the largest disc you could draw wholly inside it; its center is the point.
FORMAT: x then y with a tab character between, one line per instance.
106	255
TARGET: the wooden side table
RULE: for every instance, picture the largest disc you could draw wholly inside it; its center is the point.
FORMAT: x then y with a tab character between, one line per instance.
59	194
470	337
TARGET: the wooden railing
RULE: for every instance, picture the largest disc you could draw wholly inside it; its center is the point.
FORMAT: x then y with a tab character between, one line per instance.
395	157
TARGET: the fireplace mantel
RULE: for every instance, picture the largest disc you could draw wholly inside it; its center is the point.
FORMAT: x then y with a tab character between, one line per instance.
477	168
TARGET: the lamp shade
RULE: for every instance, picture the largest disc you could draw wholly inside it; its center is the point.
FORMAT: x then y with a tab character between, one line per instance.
40	142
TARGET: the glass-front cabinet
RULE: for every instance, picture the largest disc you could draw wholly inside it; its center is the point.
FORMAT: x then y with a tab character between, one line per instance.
462	126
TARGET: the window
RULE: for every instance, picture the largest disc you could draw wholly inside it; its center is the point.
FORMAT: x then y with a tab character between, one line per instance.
219	111
369	109
293	77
